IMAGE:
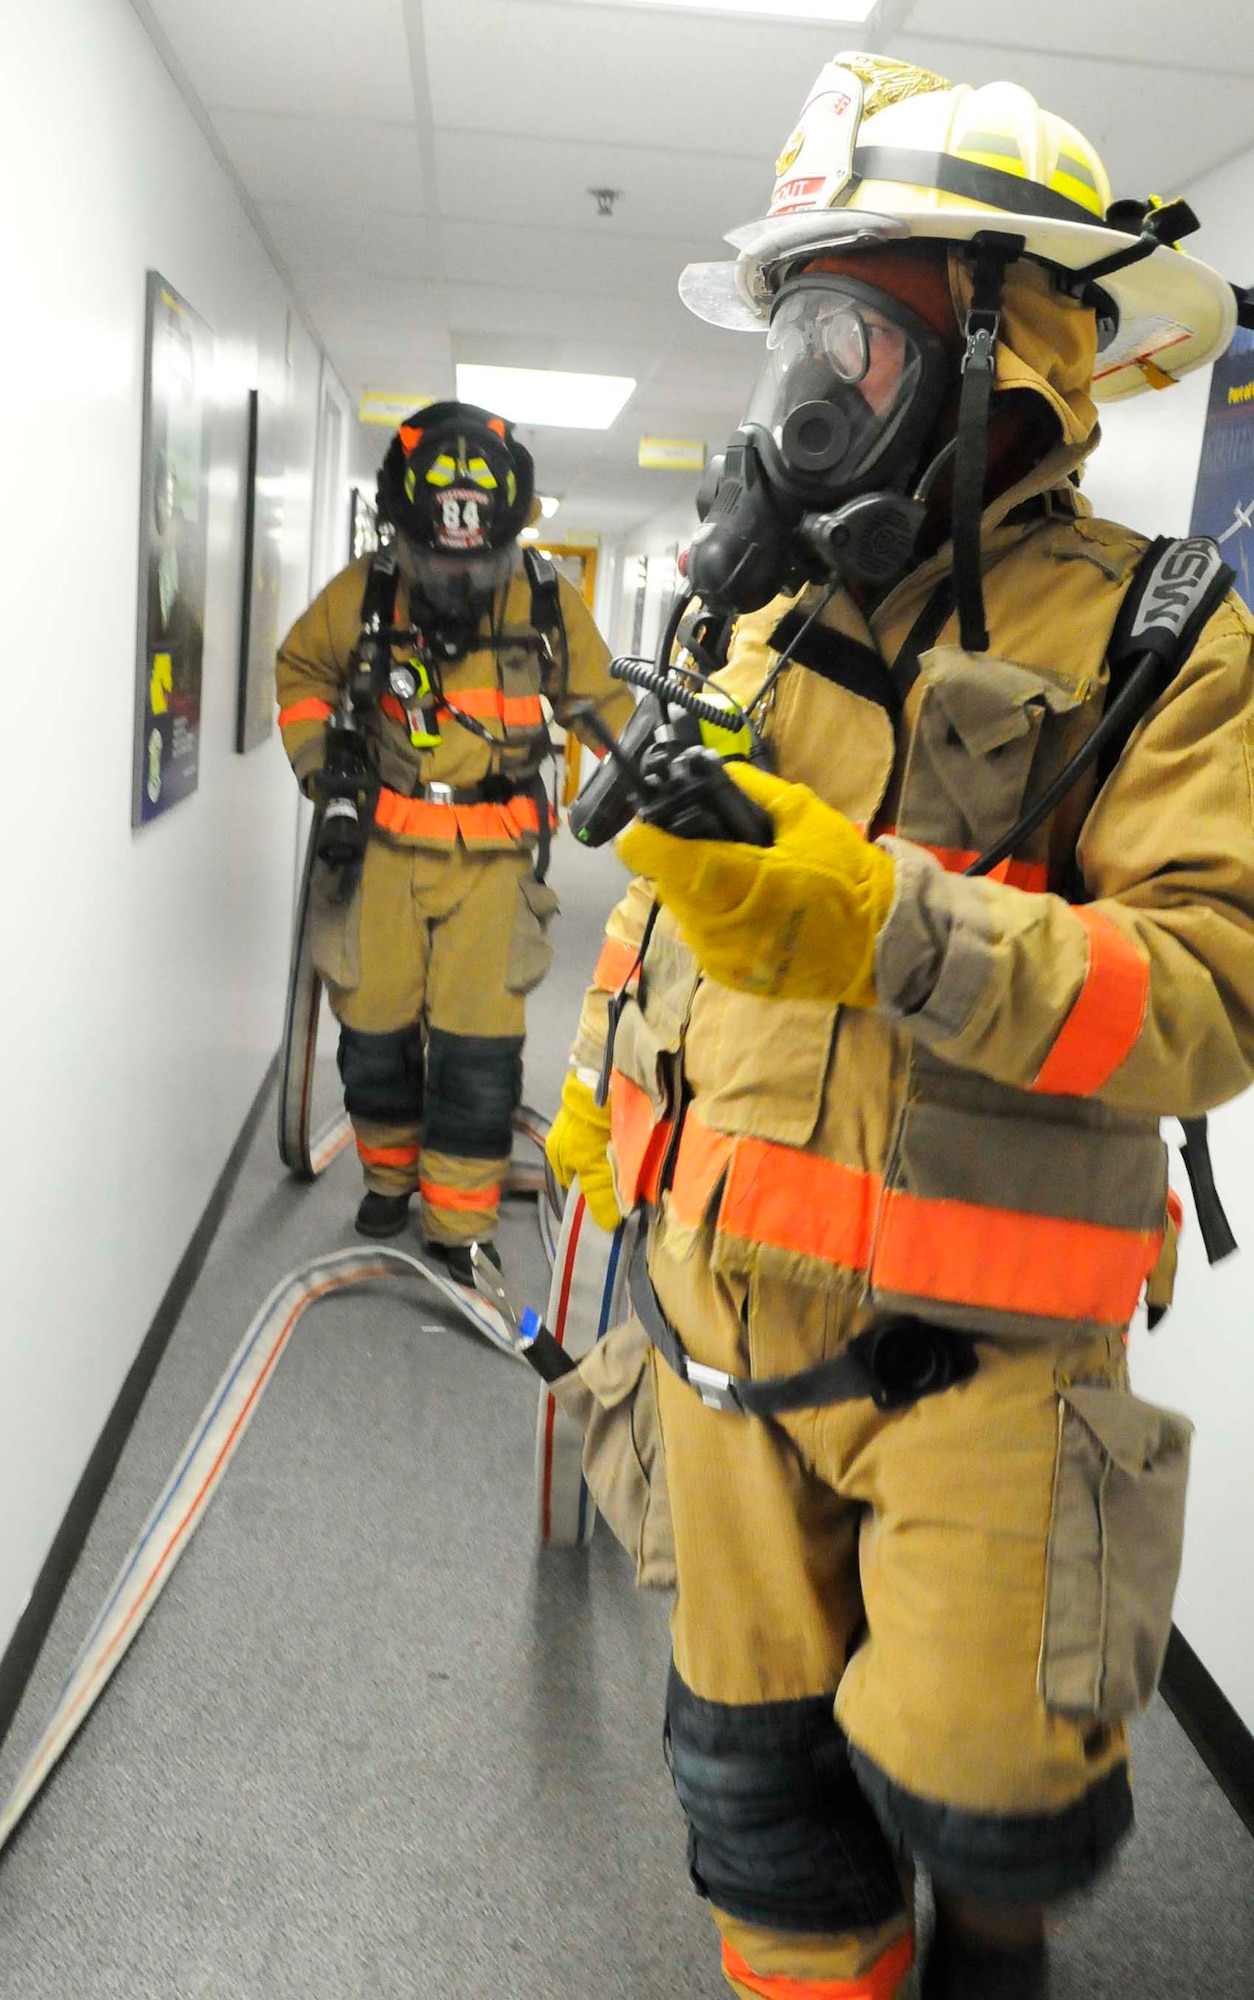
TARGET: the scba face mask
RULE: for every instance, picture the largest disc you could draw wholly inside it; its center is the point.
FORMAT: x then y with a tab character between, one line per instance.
456	585
850	388
847	400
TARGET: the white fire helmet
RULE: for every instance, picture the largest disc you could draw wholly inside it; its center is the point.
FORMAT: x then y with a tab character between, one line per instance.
884	151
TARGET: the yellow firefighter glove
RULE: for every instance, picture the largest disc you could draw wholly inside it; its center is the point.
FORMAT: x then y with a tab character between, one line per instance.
577	1143
796	921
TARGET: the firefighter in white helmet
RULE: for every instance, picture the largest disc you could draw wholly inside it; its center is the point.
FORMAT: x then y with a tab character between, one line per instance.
895	1127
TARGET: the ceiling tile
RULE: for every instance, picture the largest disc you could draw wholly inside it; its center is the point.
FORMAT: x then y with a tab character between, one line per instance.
1120	31
490	177
665	83
347	243
607	260
503	309
336	162
293	55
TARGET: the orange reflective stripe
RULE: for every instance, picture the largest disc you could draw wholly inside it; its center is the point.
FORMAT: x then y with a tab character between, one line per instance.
1175	1208
880	1983
521	711
1031	875
615	965
1011	1262
957	1251
388	1156
423	819
459	1198
775	1194
639	1138
700	1162
1106	1018
503	822
311	710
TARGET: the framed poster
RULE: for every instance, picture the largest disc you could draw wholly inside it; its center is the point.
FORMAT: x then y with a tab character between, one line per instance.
363	527
173	540
1223	502
263	571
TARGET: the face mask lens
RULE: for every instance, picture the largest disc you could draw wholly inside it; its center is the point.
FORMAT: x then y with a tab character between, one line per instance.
839	385
843	339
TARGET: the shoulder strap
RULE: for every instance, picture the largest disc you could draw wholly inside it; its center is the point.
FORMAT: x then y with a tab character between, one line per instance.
546	600
1179	584
835	657
378	599
547	618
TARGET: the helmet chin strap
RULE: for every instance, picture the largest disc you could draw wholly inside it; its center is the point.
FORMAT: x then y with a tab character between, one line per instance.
993	251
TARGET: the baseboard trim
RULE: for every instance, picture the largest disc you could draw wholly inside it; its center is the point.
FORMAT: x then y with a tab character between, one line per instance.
1212	1725
24	1648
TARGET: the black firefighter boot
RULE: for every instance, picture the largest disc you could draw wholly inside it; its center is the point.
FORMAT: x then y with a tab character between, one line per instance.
382	1214
960	1968
456	1260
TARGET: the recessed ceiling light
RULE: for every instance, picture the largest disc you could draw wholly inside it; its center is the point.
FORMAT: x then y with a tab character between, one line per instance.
548	505
545	395
838	13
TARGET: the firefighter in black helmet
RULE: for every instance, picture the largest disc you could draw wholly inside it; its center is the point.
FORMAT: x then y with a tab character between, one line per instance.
428	954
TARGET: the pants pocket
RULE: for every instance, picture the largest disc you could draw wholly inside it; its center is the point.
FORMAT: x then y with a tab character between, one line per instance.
334	929
612	1395
530	953
1115	1540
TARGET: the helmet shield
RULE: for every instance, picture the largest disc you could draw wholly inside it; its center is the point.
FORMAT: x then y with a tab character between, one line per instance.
850	389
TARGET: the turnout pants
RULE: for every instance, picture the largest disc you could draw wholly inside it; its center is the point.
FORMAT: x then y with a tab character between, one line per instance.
422	971
901	1637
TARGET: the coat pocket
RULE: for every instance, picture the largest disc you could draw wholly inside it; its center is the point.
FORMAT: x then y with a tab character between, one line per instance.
334	928
983	725
1115	1540
613	1397
530	952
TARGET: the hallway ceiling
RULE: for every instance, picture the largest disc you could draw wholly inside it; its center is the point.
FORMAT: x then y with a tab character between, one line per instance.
421	169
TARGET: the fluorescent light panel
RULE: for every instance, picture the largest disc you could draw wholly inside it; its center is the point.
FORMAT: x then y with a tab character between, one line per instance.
545	395
839	13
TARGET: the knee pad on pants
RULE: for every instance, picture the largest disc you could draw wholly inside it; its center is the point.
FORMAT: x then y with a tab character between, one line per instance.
779	1833
1027	1857
382	1074
474	1083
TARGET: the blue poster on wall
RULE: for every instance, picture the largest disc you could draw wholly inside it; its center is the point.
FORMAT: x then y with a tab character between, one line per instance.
1223	505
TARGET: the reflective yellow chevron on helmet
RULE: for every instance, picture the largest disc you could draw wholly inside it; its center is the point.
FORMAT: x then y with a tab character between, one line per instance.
445	469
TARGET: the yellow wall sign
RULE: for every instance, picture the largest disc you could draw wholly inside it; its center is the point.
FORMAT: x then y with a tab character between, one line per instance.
377	406
672	454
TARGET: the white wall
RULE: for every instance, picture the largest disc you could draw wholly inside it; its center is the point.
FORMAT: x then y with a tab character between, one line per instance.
143	972
1201	1360
658	539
